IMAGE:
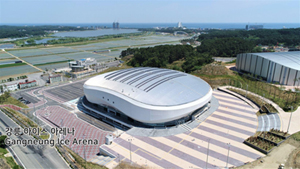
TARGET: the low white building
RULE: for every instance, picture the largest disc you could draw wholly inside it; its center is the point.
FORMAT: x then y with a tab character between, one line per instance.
9	87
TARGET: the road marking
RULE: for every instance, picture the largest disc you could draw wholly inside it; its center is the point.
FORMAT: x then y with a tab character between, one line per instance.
38	163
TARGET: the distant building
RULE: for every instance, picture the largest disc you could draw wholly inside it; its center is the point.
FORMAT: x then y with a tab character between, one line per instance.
81	73
116	25
27	84
82	67
55	78
65	69
9	87
179	25
82	64
254	27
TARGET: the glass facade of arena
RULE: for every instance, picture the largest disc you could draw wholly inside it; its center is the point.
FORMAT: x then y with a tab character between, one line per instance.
112	116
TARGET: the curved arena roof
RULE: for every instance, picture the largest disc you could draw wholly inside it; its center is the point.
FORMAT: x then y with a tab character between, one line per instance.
287	59
153	86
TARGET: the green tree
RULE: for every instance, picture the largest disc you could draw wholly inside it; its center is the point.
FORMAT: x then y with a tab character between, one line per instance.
2	141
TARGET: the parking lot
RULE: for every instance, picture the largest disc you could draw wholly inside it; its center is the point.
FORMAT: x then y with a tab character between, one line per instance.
25	96
66	92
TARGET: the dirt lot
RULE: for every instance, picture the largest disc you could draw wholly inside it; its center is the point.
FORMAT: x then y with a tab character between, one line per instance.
287	153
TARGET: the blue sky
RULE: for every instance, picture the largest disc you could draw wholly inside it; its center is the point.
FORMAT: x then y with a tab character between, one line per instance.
149	11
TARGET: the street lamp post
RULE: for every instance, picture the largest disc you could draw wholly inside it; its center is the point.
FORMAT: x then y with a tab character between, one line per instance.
119	158
228	144
246	91
290	119
43	92
34	113
207	153
130	150
61	126
84	151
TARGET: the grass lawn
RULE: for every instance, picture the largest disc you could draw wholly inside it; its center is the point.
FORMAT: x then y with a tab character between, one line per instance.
8	160
44	137
13	101
255	99
217	75
82	163
296	136
25	120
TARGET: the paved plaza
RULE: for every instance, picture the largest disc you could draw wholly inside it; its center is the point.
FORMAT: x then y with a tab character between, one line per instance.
57	116
231	124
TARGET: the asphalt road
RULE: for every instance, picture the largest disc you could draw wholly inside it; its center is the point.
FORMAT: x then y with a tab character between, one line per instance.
32	156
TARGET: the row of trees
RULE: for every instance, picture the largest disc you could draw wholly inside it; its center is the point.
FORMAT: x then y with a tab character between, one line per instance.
170	30
31	41
160	56
290	37
12	79
23	31
67	40
226	47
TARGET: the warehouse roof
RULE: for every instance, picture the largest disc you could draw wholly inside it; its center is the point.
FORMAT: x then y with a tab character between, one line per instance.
153	86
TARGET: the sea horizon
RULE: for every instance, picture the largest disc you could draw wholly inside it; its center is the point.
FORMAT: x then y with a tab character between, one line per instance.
152	25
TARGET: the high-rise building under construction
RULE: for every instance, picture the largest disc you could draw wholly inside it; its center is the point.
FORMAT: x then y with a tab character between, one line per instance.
116	25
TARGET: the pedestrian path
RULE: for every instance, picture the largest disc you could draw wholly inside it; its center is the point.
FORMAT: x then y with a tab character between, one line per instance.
58	117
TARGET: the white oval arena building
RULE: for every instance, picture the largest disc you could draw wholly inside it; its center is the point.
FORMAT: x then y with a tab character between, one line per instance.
151	96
